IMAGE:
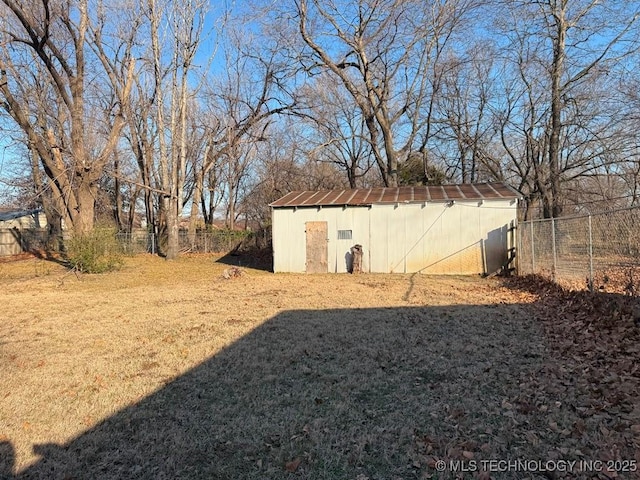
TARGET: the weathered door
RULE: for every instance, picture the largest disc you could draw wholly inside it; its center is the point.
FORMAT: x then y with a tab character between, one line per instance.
317	247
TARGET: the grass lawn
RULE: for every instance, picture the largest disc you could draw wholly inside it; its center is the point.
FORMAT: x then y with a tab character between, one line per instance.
167	370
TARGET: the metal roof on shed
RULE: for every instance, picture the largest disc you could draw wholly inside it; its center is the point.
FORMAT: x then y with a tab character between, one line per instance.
13	214
370	196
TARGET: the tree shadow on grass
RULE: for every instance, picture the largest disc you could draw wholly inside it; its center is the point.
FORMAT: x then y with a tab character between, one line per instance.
35	243
327	394
256	259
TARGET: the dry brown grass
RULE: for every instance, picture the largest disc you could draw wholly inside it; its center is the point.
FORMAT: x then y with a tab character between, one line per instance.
168	370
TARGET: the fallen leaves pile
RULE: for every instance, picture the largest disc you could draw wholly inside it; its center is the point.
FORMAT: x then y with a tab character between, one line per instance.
580	404
619	279
594	370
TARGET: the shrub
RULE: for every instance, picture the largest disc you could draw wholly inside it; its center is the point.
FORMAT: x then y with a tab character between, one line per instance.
95	252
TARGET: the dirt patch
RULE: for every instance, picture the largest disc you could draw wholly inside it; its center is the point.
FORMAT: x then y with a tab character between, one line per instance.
168	370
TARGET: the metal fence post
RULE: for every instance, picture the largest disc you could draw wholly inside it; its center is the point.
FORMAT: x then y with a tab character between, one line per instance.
553	248
590	256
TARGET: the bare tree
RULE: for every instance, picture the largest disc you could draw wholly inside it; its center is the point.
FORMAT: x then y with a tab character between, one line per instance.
465	124
240	104
384	53
46	61
282	166
560	118
336	131
629	87
141	135
171	97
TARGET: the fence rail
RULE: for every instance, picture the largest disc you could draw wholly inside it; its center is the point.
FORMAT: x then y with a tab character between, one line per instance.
594	251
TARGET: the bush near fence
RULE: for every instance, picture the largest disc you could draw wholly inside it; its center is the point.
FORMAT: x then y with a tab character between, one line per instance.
599	251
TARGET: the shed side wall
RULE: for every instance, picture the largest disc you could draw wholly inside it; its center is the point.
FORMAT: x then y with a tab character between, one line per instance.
467	237
289	240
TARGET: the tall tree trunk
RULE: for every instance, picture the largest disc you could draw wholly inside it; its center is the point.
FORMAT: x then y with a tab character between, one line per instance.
554	208
131	219
352	173
195	204
83	217
173	228
231	210
169	214
118	210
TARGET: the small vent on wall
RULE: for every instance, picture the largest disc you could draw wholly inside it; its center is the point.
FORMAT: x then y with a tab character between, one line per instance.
344	235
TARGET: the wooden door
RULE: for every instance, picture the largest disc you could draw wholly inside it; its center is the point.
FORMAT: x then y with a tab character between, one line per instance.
317	247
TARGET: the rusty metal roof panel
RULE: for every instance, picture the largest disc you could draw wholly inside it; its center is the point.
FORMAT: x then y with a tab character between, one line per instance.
406	194
344	197
454	192
470	191
372	196
289	199
437	193
489	191
377	195
467	191
329	198
315	198
361	197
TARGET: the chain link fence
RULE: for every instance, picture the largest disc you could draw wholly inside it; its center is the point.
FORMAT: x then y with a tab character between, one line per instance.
216	241
600	251
15	242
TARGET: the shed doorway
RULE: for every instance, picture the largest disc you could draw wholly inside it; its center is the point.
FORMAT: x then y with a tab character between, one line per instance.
317	235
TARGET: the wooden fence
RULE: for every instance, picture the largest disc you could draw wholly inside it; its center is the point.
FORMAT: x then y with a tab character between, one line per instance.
14	241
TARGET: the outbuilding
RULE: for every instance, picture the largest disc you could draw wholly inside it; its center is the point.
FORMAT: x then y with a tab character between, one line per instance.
22	219
20	230
449	229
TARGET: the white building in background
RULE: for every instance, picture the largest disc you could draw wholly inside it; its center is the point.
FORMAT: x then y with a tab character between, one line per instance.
450	229
22	219
18	228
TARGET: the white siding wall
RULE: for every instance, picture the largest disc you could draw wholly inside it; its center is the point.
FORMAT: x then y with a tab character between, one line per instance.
468	237
289	239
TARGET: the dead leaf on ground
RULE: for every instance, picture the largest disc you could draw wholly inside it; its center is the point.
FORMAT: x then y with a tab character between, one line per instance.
293	465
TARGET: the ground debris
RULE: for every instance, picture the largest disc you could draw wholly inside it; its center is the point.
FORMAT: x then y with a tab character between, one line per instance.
594	340
232	272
